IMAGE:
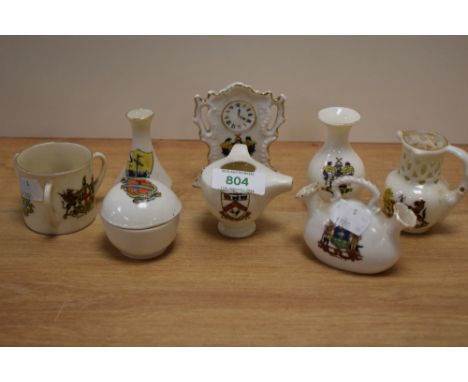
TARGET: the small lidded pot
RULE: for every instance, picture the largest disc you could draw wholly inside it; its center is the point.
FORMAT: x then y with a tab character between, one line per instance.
140	217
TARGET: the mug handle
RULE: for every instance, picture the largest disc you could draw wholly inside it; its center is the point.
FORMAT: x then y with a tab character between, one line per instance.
463	186
363	182
54	217
102	173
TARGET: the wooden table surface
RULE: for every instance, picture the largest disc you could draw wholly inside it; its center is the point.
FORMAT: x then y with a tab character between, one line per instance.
208	290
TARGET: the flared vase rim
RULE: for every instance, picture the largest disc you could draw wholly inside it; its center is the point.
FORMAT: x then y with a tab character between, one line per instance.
339	116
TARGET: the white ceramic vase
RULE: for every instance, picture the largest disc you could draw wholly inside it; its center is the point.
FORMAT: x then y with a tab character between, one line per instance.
336	158
142	160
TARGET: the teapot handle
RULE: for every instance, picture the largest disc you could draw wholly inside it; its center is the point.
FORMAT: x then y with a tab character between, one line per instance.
463	156
365	183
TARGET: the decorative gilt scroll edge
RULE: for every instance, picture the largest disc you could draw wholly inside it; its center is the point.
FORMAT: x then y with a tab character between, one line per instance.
272	133
228	88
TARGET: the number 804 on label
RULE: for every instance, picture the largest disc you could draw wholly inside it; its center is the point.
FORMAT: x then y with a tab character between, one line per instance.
238	181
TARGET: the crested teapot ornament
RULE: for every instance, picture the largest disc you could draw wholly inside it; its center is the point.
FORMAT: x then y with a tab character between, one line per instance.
418	182
336	158
142	160
350	235
237	209
239	114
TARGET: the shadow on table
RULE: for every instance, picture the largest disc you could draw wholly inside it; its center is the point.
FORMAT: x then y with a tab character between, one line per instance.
208	224
442	228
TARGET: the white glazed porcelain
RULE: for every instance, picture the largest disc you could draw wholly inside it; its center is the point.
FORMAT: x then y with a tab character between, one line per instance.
142	160
239	114
418	182
142	244
58	186
375	250
237	212
140	217
336	158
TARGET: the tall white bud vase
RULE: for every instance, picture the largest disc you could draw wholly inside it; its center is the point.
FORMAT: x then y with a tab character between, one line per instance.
142	161
336	158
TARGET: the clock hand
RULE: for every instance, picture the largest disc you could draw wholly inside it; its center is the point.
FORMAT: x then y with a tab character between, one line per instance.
240	116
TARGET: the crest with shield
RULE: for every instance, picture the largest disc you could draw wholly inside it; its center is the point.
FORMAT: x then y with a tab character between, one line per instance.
235	206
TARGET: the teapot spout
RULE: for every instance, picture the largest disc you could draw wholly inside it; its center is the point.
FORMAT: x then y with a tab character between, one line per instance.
280	184
309	195
402	218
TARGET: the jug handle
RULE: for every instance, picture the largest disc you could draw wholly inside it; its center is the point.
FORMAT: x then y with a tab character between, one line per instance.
372	204
463	156
53	214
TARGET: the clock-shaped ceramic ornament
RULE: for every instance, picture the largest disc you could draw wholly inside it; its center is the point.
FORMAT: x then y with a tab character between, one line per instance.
239	114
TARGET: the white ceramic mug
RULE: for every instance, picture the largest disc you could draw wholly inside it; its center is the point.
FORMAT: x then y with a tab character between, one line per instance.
58	186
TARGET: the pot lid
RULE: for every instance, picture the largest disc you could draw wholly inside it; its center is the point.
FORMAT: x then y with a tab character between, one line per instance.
139	203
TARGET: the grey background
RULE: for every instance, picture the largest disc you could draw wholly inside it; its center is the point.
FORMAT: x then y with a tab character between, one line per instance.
83	86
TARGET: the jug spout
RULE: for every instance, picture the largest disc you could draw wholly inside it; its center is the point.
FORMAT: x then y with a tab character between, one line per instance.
454	196
310	196
402	218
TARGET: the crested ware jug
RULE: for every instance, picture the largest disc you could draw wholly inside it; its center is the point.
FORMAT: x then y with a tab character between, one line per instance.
336	158
237	211
418	182
350	235
142	160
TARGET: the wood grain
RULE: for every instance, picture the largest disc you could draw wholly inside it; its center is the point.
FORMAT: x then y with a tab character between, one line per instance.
208	290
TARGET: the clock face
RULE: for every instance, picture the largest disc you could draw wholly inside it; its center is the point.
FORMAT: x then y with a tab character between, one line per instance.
238	116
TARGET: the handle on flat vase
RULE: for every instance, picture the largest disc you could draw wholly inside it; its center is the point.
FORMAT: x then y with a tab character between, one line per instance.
365	183
280	119
54	217
457	193
200	104
102	173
